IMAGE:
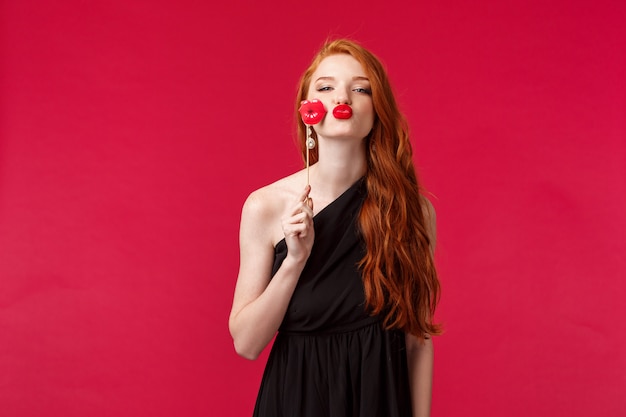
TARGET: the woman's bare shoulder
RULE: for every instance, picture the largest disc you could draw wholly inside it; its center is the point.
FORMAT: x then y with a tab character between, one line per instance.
272	196
265	206
428	209
430	219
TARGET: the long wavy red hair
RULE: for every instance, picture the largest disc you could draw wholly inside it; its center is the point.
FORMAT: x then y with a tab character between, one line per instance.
399	275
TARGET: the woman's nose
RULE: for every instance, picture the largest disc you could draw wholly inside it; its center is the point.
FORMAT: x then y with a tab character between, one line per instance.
341	96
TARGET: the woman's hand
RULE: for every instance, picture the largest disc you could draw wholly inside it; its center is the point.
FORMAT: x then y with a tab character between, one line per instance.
298	228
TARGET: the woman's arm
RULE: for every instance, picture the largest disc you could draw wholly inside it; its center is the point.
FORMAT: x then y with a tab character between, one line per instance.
420	355
260	303
420	352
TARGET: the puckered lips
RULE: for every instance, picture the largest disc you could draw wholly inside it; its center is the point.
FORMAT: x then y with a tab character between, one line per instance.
312	111
342	111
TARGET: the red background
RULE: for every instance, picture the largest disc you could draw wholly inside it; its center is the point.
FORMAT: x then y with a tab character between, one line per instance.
132	131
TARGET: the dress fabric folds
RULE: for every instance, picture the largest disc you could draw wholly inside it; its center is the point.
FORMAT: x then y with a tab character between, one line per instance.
330	357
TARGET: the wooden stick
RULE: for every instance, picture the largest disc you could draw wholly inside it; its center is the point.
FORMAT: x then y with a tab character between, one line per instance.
308	150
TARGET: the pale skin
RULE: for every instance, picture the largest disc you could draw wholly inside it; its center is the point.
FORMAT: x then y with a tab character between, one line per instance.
285	209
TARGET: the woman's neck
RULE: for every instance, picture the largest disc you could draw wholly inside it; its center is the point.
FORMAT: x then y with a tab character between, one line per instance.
341	163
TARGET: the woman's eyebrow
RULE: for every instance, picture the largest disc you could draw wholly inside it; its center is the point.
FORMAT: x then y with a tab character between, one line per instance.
356	78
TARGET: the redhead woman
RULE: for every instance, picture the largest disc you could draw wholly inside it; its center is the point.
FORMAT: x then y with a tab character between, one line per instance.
337	260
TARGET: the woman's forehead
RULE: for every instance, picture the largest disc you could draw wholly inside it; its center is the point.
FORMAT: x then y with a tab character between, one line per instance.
338	64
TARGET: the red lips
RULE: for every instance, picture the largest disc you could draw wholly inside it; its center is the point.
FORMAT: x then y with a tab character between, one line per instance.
342	111
312	112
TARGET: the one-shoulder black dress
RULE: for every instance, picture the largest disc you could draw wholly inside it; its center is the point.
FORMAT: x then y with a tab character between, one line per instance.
330	357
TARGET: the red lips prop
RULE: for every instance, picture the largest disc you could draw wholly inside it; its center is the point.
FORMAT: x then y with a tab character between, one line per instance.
312	111
342	111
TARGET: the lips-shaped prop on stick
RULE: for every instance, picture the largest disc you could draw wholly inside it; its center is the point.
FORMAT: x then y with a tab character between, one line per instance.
312	112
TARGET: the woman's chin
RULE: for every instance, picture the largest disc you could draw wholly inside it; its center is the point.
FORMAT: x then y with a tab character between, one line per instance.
343	134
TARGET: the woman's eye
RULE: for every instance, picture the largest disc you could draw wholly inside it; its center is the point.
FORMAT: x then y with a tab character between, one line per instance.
363	90
324	88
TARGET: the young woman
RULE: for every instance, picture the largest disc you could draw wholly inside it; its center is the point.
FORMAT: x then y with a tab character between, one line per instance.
342	269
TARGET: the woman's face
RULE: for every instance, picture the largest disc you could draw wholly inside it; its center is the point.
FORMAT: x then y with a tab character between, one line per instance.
340	83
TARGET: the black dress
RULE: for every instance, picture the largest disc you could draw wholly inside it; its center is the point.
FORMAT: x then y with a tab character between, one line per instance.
330	357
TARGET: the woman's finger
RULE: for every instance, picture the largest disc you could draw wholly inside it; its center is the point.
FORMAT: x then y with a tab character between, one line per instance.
297	229
305	194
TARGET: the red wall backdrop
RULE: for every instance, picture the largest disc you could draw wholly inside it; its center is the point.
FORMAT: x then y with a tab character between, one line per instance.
132	131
